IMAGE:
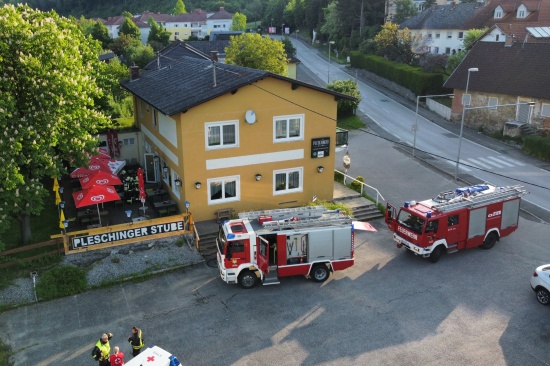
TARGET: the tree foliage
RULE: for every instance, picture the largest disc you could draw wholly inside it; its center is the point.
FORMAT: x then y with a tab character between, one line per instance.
254	51
433	63
288	46
471	36
101	33
238	22
395	44
129	28
349	87
158	37
179	8
404	9
47	113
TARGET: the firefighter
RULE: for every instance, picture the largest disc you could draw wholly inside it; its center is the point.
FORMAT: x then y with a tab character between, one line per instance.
136	340
102	350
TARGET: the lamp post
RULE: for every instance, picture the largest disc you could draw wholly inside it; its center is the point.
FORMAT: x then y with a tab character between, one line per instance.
470	70
297	31
283	30
415	126
328	69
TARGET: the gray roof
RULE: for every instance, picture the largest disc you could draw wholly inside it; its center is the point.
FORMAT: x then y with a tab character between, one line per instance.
178	49
518	70
452	16
190	82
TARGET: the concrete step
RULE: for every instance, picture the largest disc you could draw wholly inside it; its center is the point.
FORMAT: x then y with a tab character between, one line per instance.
271	278
527	130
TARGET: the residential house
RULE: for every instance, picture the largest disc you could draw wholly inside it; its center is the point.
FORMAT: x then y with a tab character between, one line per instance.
510	12
440	28
420	5
219	21
222	136
512	72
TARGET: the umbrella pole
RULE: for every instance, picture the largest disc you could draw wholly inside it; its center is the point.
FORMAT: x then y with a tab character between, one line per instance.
98	215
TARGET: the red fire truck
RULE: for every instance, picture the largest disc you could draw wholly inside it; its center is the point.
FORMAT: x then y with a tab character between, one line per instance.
467	217
261	246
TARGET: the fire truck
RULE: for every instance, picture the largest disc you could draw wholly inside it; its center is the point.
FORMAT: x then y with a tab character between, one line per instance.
261	246
468	217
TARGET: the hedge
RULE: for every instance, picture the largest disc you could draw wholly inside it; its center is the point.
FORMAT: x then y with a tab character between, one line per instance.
537	146
412	78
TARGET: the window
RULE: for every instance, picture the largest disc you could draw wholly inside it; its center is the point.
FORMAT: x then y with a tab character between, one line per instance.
129	141
226	189
452	220
235	250
436	50
429	35
177	33
437	35
221	135
521	13
287	181
493	101
154	116
466	99
165	173
497	37
288	128
175	187
449	35
447	50
432	226
498	13
545	110
460	35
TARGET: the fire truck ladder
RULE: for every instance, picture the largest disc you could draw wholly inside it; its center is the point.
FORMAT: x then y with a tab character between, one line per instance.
286	213
321	221
500	194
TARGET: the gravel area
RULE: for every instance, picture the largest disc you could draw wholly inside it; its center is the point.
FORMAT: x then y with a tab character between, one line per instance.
115	263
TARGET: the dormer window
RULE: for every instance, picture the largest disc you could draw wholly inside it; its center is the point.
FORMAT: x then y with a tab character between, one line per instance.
498	12
522	12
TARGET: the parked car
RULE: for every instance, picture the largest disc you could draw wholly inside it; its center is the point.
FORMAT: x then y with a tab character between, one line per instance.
540	283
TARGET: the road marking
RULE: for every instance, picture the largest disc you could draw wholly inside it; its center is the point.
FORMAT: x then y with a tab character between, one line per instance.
490	162
460	167
515	162
479	164
500	161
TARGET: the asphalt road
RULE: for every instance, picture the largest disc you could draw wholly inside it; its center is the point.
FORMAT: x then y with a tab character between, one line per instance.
473	307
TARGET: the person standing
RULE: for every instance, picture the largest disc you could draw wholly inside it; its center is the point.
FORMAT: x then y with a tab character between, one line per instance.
117	358
102	350
136	340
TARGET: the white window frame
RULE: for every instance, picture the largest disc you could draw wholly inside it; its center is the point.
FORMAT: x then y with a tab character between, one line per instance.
498	13
223	180
221	124
437	35
447	50
300	188
466	99
449	35
545	110
460	35
522	14
276	119
492	102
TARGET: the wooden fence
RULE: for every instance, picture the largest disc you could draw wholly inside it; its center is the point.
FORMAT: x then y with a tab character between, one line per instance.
57	242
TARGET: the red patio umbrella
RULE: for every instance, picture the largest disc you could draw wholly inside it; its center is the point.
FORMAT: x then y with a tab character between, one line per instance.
94	165
141	187
100	178
95	195
103	154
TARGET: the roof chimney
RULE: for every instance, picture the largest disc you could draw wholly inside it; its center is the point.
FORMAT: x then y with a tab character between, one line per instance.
134	73
214	55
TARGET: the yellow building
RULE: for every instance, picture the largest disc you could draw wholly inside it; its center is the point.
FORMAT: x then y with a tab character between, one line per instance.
222	136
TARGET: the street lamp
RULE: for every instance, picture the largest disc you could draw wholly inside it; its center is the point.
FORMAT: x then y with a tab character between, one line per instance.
282	30
415	126
470	70
328	69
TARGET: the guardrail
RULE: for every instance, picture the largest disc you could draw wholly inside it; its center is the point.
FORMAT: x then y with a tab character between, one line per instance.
363	186
57	242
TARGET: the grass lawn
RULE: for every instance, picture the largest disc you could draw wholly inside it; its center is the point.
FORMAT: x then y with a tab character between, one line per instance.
125	122
350	122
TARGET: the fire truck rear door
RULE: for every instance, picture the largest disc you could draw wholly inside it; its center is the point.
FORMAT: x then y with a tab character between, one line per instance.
391	215
262	255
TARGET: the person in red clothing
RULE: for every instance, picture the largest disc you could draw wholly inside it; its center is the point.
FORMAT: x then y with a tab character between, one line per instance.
117	358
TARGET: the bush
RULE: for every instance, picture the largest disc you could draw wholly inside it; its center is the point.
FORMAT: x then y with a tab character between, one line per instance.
61	281
356	186
537	146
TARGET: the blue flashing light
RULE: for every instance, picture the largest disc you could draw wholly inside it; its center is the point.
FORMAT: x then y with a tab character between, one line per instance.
429	214
406	204
230	236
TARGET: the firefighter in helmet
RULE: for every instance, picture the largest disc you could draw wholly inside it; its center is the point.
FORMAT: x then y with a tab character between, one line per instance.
136	340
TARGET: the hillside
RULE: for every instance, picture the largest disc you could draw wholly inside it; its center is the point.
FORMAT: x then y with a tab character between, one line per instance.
107	8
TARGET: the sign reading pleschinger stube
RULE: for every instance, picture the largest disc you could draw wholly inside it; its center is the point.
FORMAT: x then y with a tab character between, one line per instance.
133	233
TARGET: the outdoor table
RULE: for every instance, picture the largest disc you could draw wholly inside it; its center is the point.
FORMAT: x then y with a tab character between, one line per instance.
155	194
164	205
89	214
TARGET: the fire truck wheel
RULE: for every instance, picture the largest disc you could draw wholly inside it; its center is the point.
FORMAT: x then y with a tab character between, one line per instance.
319	273
248	279
436	254
490	241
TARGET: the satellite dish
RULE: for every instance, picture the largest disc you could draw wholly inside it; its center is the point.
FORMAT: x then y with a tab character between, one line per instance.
250	117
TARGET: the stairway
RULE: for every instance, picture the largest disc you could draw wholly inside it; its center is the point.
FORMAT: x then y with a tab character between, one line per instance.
361	208
527	130
271	278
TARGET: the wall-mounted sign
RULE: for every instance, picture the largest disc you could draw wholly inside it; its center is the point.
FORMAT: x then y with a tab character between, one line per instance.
138	232
320	147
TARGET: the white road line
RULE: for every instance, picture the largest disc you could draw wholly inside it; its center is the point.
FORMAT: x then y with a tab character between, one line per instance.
479	164
490	162
515	162
500	161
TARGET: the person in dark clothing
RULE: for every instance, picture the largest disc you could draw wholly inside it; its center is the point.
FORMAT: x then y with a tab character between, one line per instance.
102	350
136	341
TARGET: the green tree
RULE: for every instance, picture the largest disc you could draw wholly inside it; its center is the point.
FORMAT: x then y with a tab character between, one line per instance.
121	43
254	51
100	33
238	22
289	47
47	117
471	36
159	37
394	43
404	9
179	8
129	28
349	87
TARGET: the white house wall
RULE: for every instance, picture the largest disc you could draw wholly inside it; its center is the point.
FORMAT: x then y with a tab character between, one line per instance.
167	128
